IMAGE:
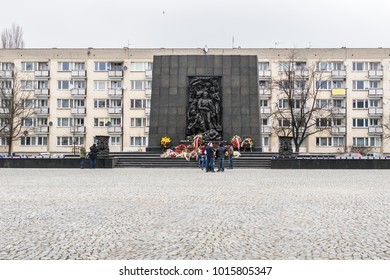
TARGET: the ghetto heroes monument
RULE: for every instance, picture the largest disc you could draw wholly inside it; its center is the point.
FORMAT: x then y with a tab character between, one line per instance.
216	95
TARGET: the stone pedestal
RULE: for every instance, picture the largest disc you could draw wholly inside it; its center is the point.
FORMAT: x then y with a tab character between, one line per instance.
102	146
235	79
285	146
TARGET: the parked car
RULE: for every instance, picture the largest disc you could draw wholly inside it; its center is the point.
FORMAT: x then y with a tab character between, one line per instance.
349	156
44	155
57	156
373	156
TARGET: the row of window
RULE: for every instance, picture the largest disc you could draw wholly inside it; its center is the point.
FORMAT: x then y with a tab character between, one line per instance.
70	122
70	141
356	141
323	85
144	66
142	122
78	84
323	66
326	122
326	103
77	66
79	103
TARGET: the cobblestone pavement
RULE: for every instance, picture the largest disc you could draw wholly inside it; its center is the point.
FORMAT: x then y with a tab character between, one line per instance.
188	214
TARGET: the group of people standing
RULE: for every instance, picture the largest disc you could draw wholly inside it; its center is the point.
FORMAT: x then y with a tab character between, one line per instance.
92	155
209	155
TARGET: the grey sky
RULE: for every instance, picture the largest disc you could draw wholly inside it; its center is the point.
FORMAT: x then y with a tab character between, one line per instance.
196	23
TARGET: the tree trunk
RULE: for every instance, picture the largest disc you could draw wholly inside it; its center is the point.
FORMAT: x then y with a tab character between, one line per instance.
9	146
297	146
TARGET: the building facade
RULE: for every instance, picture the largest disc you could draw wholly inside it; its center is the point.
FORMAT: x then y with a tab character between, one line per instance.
77	94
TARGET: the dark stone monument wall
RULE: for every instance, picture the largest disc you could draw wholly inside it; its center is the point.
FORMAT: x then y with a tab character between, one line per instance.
240	103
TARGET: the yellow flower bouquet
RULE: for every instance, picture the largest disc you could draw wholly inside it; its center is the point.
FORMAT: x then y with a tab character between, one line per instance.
165	141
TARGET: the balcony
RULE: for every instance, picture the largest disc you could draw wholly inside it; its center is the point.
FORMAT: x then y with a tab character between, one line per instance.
375	130
375	74
148	92
115	74
6	92
114	129
338	130
79	74
146	130
376	111
42	74
78	111
337	111
266	129
265	110
44	129
375	92
115	92
339	74
78	92
5	74
298	111
41	111
77	129
302	73
147	111
264	92
4	111
42	93
115	110
265	74
149	74
339	92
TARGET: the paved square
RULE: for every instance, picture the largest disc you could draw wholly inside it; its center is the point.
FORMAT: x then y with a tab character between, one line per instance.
188	214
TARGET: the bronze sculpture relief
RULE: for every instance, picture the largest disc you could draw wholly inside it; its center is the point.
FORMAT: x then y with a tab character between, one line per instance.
204	108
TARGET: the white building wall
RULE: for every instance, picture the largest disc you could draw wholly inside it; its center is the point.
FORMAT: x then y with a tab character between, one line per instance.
127	56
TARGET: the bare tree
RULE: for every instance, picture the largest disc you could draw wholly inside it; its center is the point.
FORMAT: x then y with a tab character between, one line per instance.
16	108
386	129
12	38
299	111
360	149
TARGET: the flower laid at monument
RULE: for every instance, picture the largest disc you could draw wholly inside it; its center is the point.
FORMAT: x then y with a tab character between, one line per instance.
189	152
247	143
180	148
197	141
165	141
236	154
236	142
181	151
169	153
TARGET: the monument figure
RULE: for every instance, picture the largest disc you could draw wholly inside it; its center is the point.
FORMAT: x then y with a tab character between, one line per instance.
102	146
204	108
285	147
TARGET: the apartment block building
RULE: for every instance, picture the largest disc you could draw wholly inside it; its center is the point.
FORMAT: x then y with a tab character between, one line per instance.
77	94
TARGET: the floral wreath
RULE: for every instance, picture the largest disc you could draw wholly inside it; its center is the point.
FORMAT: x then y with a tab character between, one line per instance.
247	142
236	142
197	141
165	141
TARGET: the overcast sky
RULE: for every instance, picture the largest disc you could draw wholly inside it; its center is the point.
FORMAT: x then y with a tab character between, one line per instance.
196	23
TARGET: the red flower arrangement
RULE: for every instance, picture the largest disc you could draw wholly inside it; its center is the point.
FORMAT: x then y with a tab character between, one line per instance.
236	142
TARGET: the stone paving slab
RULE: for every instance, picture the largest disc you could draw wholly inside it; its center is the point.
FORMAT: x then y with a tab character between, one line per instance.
187	214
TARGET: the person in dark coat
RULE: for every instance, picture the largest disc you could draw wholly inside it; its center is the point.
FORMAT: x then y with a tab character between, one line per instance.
210	158
93	155
220	155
